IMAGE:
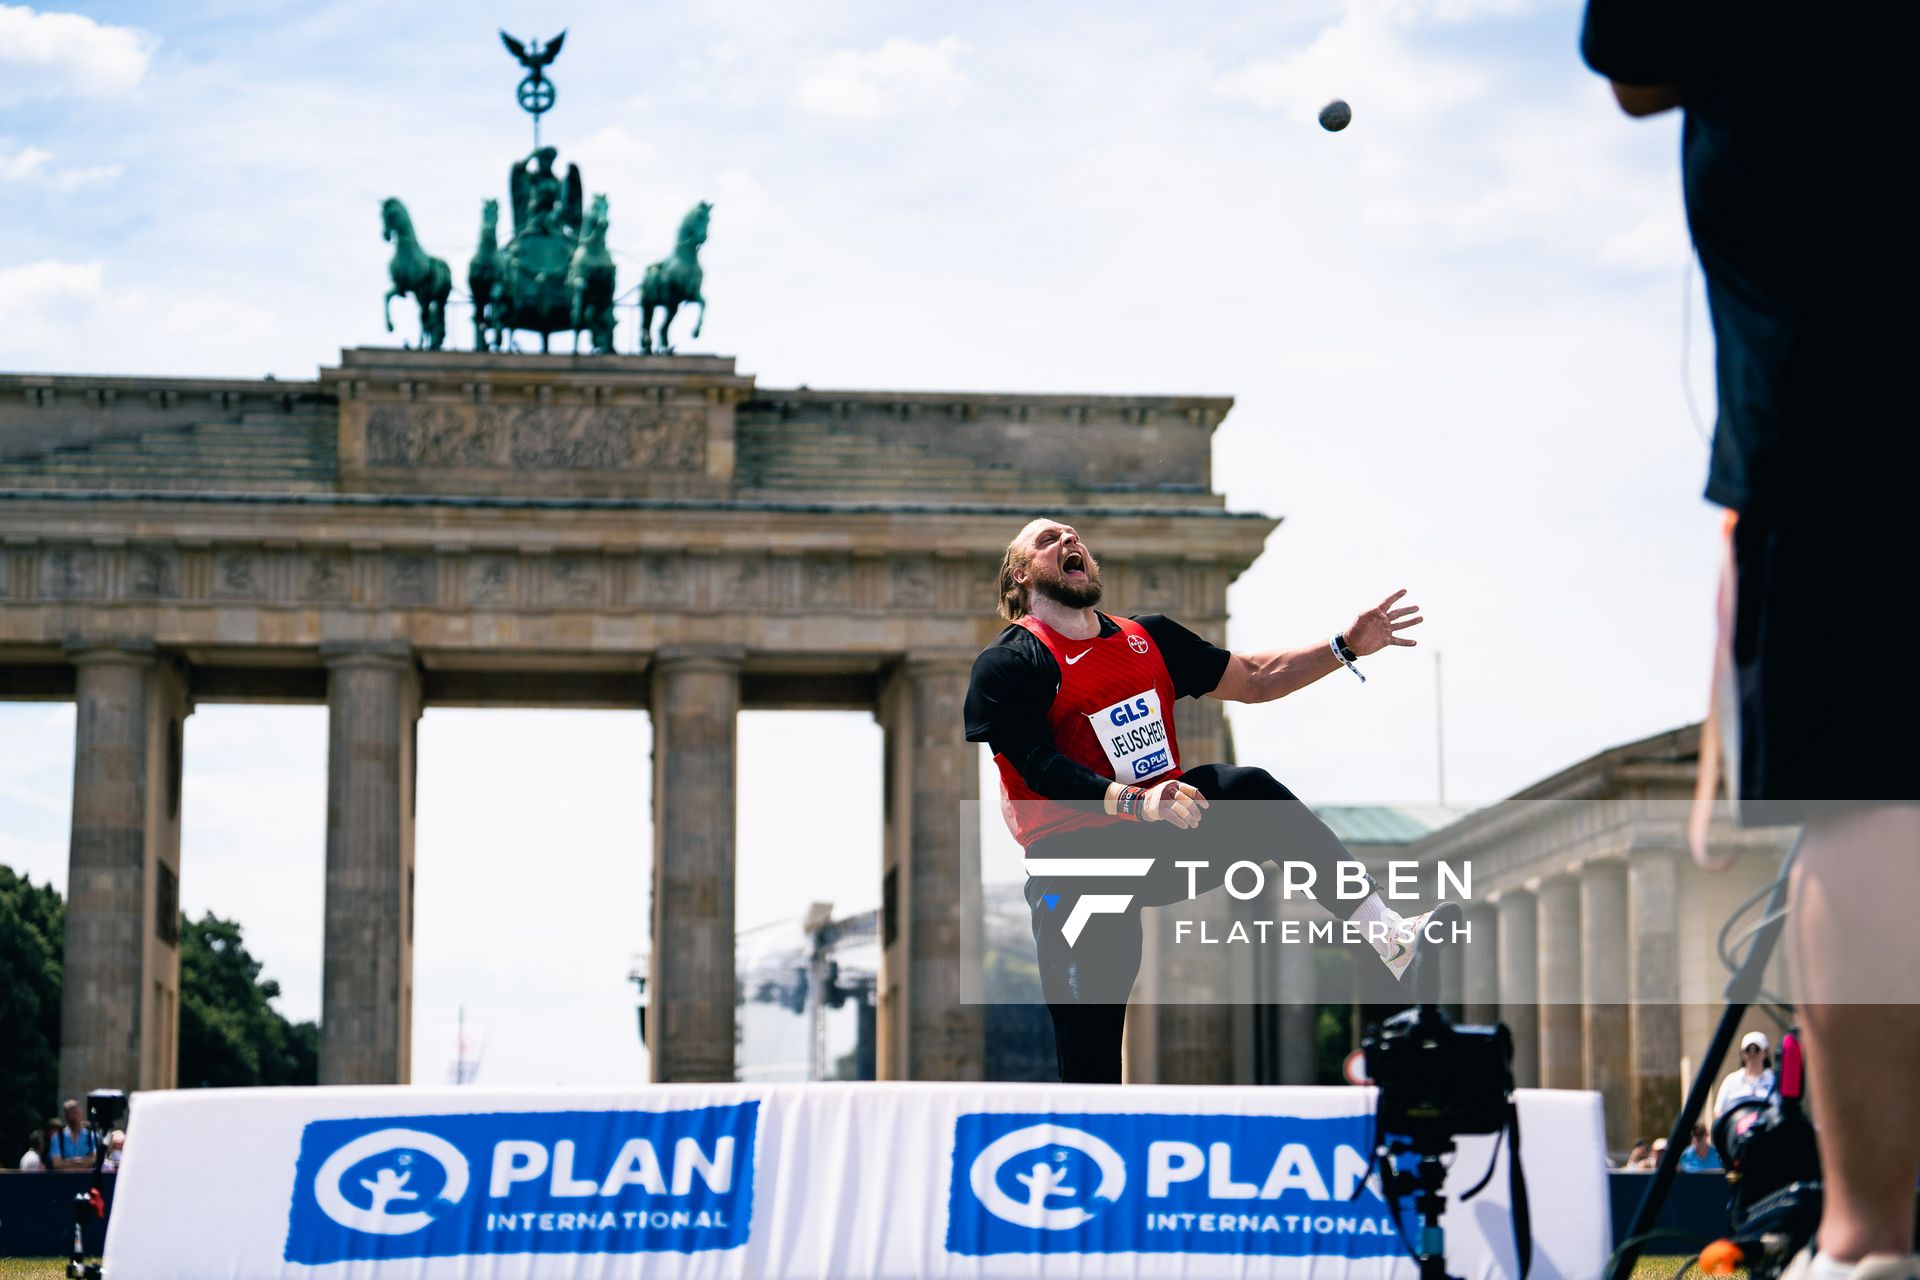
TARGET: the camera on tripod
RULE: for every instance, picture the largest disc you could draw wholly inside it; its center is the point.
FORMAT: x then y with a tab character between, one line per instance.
1438	1081
104	1109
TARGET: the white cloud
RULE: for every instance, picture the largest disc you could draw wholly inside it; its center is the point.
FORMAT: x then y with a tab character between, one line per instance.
1657	241
901	77
33	287
1364	59
46	55
31	165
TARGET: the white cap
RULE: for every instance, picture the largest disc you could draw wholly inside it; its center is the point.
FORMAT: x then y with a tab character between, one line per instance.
1753	1038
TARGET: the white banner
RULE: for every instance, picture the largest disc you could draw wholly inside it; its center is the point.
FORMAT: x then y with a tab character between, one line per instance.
827	1182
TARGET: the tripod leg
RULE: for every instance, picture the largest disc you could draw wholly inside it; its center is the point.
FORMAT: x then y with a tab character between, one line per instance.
1741	989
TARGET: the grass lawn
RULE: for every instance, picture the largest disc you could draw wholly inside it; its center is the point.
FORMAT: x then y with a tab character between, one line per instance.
32	1268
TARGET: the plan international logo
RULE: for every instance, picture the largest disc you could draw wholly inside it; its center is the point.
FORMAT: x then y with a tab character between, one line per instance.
1143	1183
523	1182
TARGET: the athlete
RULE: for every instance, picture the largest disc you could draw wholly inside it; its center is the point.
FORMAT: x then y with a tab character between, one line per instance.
1077	706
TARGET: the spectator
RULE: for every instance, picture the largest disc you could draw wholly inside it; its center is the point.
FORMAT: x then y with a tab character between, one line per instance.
73	1145
1754	1079
116	1143
1700	1157
30	1160
1638	1157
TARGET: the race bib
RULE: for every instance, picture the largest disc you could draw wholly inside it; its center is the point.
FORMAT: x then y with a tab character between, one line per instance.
1133	733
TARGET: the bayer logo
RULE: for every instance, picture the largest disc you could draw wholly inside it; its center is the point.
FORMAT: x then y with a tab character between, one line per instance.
1049	1177
391	1182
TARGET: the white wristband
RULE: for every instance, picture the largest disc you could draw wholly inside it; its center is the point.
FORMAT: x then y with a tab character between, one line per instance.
1345	661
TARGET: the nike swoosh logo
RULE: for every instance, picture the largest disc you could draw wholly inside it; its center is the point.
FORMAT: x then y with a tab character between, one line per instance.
1076	657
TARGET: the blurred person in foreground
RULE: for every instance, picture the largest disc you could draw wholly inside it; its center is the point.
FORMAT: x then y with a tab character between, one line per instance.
1790	148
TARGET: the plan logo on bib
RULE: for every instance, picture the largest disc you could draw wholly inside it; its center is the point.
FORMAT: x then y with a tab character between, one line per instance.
1133	734
617	1182
1144	1183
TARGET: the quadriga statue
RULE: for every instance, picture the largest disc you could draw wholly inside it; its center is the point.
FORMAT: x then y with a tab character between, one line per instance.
415	272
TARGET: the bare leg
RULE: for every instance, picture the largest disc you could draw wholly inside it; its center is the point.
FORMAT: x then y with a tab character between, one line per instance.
1857	975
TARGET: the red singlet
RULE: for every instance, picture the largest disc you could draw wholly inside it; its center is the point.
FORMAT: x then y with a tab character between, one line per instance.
1113	713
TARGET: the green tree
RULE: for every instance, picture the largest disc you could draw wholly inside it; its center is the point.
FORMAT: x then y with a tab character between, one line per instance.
32	934
230	1033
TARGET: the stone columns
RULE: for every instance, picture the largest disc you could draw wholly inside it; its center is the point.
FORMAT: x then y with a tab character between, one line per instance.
1480	965
1520	982
1562	1059
930	896
691	990
1603	981
1298	1012
1203	993
1654	977
120	1013
366	1001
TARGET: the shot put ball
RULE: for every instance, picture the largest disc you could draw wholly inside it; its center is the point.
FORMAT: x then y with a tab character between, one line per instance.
1335	116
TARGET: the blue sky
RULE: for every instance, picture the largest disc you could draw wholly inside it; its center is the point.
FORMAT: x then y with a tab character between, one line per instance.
1454	333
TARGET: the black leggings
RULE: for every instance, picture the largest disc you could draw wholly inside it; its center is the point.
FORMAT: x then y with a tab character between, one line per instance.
1086	984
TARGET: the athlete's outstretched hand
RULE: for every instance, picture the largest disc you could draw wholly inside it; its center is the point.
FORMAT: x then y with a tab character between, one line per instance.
1381	626
1174	802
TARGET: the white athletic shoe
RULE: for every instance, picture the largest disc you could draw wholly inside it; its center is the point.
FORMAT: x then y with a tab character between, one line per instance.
1806	1265
1400	959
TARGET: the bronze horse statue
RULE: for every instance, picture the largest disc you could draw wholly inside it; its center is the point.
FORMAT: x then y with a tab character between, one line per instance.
483	274
590	281
415	271
675	281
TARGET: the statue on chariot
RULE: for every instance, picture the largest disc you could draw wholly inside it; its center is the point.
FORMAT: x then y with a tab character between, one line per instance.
555	273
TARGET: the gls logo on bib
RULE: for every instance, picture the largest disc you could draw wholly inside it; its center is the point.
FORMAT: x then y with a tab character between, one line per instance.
523	1182
1134	735
1141	1183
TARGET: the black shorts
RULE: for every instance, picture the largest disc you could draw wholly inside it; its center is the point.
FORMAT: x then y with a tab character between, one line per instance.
1826	655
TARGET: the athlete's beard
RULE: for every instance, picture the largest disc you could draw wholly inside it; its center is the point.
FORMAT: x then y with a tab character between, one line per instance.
1057	587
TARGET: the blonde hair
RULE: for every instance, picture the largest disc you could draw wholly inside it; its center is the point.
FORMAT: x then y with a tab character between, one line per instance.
1014	595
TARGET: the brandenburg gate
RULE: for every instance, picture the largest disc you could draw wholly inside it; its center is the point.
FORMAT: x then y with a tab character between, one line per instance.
422	528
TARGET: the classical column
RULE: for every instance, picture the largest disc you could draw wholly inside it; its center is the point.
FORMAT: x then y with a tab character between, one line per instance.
690	1021
1562	1059
1603	979
120	1012
366	998
1653	972
1204	993
1480	965
1299	1014
1520	982
930	931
